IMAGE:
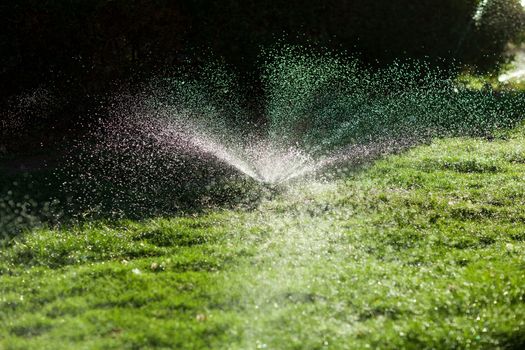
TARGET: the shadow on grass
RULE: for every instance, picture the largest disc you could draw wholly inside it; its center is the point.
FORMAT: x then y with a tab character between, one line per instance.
57	196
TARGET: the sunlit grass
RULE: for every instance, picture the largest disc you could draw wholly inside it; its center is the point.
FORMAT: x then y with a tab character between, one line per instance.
419	250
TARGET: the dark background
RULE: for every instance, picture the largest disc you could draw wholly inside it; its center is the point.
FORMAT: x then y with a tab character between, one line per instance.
60	59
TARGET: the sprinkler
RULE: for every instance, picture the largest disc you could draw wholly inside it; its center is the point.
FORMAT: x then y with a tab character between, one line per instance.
270	186
272	189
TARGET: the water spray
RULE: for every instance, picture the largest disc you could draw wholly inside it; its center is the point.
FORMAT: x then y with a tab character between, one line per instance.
170	145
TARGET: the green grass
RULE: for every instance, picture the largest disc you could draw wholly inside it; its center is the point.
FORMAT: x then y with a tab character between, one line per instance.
419	250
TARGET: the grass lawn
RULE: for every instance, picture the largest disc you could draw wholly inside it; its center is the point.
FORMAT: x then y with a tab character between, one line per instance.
420	250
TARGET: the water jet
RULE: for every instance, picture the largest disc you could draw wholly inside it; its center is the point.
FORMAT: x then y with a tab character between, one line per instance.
174	141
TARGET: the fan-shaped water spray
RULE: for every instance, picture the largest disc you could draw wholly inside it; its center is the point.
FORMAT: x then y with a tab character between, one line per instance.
259	159
184	139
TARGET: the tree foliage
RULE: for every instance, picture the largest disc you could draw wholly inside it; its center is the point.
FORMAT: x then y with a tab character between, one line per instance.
98	40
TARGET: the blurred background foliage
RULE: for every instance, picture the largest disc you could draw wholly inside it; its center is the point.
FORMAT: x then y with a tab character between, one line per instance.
98	40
